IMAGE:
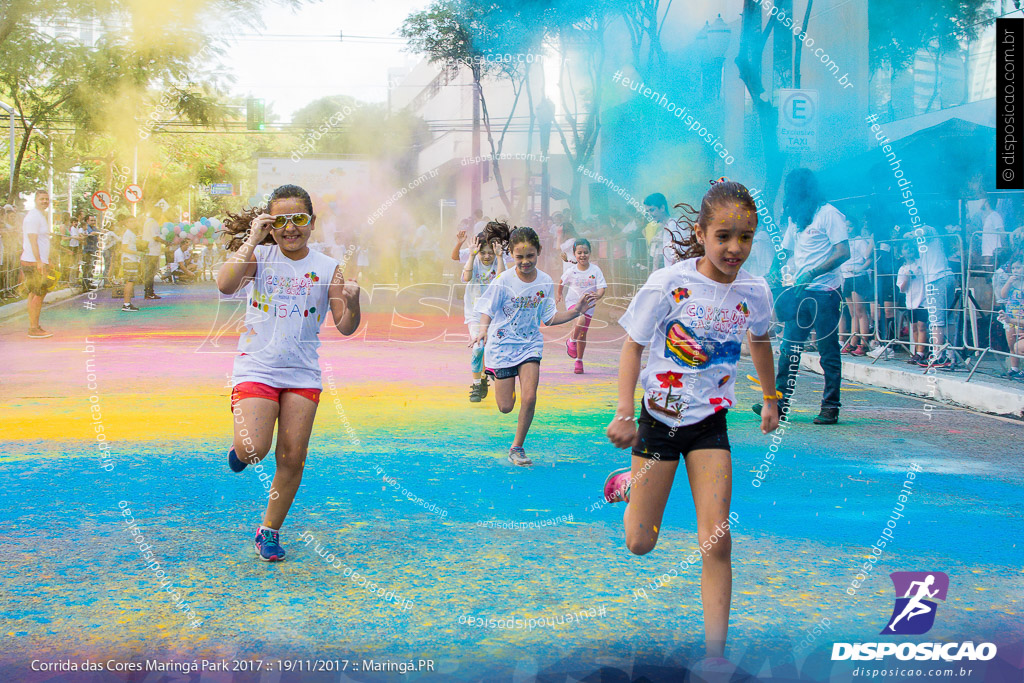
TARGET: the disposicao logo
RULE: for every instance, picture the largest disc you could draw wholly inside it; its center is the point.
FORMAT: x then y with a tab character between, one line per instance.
914	614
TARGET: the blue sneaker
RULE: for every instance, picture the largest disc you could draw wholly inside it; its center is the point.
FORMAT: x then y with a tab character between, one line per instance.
234	463
268	546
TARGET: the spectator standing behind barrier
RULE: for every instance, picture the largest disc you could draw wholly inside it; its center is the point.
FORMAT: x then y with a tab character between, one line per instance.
857	290
940	288
818	239
993	230
910	280
662	243
35	262
1012	317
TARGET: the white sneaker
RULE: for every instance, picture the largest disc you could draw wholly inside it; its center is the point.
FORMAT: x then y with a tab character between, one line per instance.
885	352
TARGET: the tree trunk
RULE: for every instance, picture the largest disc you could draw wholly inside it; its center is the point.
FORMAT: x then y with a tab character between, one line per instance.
799	45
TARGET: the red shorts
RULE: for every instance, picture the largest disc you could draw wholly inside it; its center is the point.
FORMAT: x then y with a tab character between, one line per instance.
260	390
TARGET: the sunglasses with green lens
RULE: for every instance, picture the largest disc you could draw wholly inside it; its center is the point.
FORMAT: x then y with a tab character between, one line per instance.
299	220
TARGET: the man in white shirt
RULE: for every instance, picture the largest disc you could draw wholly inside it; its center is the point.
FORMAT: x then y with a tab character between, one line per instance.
671	233
35	262
940	288
993	231
181	261
818	238
130	261
151	259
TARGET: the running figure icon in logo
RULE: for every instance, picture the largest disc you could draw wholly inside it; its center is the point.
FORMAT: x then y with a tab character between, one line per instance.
914	613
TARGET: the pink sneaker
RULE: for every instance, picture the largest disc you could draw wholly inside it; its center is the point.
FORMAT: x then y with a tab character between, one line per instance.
616	486
570	348
578	368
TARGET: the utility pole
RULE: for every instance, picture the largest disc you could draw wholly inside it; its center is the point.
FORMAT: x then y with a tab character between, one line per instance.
10	185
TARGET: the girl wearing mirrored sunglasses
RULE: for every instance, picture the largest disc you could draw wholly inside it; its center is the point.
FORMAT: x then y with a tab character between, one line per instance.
276	377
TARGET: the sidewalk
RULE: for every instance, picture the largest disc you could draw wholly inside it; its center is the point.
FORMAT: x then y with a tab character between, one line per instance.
16	308
986	394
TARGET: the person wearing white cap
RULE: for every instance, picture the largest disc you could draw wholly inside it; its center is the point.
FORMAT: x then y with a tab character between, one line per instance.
35	262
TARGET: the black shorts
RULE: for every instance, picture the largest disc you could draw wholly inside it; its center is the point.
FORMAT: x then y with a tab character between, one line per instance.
885	288
657	441
861	284
505	373
919	315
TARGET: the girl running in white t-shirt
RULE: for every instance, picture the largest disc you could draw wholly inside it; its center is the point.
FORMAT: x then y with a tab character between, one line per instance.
479	270
511	312
276	376
583	278
692	316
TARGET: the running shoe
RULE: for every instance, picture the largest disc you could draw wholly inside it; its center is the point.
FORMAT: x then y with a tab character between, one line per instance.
915	359
712	670
474	392
885	352
483	387
578	367
942	362
1015	373
617	485
153	296
517	456
570	348
859	351
130	308
234	463
847	348
268	545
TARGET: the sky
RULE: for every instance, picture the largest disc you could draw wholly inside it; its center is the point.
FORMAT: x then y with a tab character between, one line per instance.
289	74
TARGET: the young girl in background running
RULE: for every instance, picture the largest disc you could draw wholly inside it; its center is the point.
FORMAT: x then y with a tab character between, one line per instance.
479	270
583	278
693	315
276	376
511	312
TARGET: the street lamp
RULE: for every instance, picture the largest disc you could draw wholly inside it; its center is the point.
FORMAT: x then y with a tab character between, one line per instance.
718	42
545	115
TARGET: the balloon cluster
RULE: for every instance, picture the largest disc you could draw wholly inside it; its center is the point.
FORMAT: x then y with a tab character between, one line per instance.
203	231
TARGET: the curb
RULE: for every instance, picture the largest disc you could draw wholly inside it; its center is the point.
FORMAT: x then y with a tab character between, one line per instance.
16	308
979	395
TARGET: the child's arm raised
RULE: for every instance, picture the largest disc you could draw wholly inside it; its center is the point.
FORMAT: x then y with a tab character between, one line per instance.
584	304
764	364
241	266
622	430
344	300
460	239
467	270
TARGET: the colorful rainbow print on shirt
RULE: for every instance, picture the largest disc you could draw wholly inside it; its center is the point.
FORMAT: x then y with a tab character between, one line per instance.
742	308
685	349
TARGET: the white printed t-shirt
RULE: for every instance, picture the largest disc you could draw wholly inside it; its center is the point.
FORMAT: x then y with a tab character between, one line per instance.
693	327
812	246
517	309
35	224
579	282
286	304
